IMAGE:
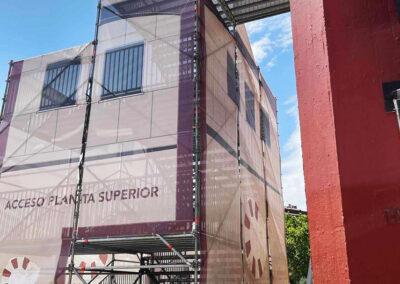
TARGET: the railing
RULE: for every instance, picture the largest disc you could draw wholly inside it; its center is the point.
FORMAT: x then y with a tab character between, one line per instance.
119	279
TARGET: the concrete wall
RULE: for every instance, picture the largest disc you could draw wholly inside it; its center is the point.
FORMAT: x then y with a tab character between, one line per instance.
344	51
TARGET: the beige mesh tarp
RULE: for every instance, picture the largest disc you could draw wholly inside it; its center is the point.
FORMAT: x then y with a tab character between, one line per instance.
241	165
138	177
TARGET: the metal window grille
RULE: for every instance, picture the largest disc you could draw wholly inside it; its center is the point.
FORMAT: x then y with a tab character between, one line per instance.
123	71
265	127
250	115
60	84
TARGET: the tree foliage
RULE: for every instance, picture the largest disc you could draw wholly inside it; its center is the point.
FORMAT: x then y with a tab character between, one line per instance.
298	246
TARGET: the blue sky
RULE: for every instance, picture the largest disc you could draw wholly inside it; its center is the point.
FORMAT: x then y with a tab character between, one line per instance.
31	28
272	46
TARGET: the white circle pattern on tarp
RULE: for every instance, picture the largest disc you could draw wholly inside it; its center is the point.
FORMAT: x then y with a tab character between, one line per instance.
91	261
20	270
252	239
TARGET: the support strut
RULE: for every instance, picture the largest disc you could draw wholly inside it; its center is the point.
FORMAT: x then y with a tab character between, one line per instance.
6	90
72	269
197	139
174	250
78	192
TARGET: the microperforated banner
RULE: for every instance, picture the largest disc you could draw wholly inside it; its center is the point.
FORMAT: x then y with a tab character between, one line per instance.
138	168
241	164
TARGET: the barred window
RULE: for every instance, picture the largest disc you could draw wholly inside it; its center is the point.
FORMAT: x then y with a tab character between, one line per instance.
60	84
233	93
250	116
265	127
123	71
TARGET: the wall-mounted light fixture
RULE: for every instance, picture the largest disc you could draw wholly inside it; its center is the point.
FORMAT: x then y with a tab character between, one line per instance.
391	96
396	103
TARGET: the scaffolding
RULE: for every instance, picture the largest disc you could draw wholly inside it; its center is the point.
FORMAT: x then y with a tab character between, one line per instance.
6	89
154	252
175	257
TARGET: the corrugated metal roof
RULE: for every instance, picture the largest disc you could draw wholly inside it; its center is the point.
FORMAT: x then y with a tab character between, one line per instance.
235	12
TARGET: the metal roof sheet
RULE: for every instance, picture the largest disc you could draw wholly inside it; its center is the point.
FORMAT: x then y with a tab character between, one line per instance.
235	12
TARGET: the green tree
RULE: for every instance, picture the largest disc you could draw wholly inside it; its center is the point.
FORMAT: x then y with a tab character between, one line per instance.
298	246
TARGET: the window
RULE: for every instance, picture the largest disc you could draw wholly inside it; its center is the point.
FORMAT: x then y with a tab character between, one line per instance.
233	93
265	127
250	116
123	71
60	84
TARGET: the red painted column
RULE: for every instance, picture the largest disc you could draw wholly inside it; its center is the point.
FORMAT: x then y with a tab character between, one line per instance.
344	51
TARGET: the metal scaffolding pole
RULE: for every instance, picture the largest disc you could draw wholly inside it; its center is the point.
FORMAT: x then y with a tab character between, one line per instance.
77	245
143	266
6	90
174	250
265	184
197	140
237	83
78	192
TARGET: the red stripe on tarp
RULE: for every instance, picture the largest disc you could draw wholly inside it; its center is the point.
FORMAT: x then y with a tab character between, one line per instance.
103	258
6	273
253	267
248	248
14	263
25	263
246	221
260	268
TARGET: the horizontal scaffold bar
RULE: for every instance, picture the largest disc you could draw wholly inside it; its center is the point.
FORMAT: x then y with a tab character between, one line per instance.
119	267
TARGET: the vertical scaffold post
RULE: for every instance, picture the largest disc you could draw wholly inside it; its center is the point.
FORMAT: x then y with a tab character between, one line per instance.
265	178
237	82
6	90
237	90
78	191
197	139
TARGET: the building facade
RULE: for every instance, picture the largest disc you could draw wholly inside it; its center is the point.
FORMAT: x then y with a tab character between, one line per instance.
139	173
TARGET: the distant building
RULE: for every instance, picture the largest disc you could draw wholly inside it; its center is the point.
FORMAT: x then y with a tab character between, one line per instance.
292	209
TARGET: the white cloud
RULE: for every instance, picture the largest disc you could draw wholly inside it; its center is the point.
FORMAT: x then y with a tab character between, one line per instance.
290	101
285	34
270	37
255	27
292	162
272	62
262	48
281	22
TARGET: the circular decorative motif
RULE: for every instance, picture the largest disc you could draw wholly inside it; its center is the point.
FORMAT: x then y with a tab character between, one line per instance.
20	270
253	238
91	261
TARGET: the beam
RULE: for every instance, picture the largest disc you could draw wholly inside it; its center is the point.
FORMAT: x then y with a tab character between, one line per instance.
227	12
262	13
240	12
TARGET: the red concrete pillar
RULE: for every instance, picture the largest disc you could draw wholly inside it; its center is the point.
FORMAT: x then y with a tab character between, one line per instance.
344	52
